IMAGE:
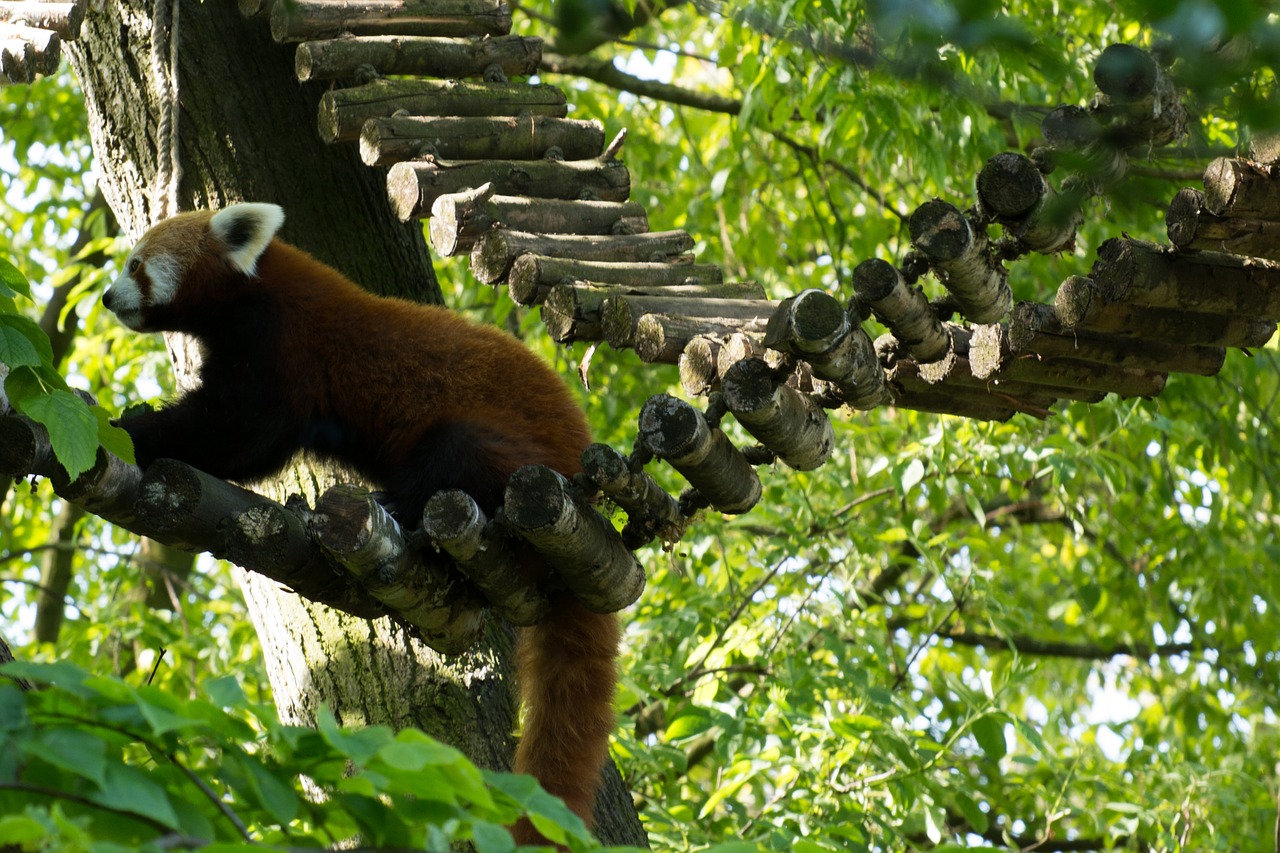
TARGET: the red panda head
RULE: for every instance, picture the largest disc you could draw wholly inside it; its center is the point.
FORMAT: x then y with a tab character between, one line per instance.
191	262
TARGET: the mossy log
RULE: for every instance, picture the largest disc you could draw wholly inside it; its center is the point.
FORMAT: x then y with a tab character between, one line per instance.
1014	193
533	277
482	551
676	432
1191	226
496	252
423	56
902	308
1138	100
414	187
428	594
651	512
1079	304
62	18
27	53
387	141
790	424
813	326
459	219
1205	282
1242	189
1035	329
959	255
343	112
587	554
309	20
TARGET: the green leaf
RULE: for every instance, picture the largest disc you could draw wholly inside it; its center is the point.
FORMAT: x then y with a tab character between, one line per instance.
73	429
22	343
22	832
491	838
13	707
113	439
226	692
989	732
130	790
413	751
973	813
77	751
12	281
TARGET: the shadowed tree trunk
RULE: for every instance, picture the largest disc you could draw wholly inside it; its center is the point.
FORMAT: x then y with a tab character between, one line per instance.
247	132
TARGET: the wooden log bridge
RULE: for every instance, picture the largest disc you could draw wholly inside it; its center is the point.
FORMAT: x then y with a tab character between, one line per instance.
31	36
539	202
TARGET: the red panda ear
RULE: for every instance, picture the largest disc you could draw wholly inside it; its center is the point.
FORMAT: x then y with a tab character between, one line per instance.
245	230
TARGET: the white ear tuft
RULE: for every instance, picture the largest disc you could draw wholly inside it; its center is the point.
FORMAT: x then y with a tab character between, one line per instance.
245	230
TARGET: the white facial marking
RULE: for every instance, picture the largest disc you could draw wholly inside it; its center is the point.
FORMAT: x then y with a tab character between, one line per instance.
165	275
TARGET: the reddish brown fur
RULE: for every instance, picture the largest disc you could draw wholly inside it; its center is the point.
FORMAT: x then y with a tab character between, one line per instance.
389	370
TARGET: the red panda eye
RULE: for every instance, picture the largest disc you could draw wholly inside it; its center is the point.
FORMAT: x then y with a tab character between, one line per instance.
134	264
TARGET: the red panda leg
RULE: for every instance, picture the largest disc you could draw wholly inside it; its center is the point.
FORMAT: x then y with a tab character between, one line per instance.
567	672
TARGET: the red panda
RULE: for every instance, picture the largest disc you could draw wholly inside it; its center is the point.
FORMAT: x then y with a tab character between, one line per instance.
296	357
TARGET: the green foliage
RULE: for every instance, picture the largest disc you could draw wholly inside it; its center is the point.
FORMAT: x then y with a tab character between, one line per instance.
955	635
93	763
34	387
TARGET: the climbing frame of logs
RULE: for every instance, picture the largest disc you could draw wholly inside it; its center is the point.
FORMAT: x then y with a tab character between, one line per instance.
540	202
31	36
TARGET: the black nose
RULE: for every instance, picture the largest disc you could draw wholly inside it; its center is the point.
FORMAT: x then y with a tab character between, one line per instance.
108	297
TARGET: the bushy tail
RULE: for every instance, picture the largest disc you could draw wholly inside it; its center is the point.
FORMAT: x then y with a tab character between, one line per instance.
567	672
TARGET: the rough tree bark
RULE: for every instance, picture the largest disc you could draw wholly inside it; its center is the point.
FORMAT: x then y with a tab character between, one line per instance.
248	131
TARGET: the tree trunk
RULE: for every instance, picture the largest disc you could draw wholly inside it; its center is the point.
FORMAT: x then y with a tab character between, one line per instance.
247	130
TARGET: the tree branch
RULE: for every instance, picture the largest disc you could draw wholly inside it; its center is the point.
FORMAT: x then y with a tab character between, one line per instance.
1024	645
605	72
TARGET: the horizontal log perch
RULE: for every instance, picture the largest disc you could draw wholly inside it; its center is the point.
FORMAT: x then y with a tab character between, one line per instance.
459	219
1206	282
482	551
902	308
429	595
813	326
583	549
343	112
1075	138
958	253
984	407
108	489
1191	225
423	56
1079	304
790	424
697	362
1139	101
676	432
27	53
573	312
180	506
1014	193
620	314
651	512
1034	400
566	328
413	187
662	338
1079	380
1036	329
533	277
386	141
62	18
1242	189
309	20
494	254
